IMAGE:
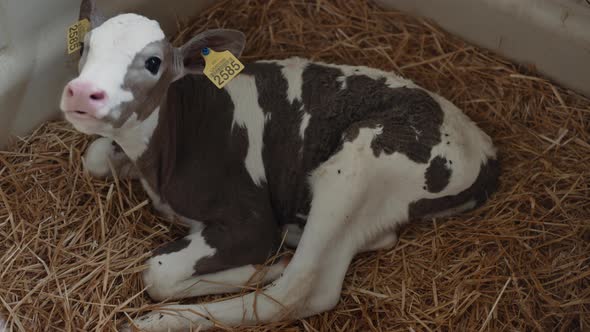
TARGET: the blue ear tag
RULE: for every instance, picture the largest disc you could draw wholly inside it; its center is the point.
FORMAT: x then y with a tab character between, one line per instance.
205	51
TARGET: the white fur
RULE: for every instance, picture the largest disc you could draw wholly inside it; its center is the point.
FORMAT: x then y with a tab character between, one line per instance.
173	286
304	124
171	276
248	114
391	79
113	45
384	241
100	153
293	72
96	157
134	136
292	234
90	126
342	80
165	271
195	225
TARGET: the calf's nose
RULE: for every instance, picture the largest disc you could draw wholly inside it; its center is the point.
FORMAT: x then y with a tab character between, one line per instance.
84	98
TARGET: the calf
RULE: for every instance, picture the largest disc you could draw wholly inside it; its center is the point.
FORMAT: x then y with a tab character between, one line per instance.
339	155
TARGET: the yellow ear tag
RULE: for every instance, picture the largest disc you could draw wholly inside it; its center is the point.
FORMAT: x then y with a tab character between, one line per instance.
76	33
221	67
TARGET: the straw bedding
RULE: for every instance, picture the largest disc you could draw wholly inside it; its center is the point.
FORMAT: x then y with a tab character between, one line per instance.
72	247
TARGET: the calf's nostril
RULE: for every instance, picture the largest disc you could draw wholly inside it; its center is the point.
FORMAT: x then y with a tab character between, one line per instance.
97	96
70	92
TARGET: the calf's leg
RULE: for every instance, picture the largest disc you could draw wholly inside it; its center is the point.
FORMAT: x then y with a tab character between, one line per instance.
103	151
172	271
292	235
288	295
384	241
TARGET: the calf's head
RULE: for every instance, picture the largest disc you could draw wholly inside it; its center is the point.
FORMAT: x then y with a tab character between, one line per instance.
126	68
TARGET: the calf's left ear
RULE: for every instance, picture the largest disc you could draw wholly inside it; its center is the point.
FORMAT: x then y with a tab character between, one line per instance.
89	11
218	40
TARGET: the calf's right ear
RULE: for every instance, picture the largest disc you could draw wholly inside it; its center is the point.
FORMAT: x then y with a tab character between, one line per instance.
89	11
218	40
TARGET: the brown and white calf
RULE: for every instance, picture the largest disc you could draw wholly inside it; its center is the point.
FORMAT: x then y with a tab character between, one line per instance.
340	155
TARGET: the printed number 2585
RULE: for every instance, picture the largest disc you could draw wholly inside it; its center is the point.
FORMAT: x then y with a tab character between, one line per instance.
225	73
73	37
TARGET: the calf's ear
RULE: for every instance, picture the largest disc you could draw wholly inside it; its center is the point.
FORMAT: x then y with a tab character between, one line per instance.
219	40
89	11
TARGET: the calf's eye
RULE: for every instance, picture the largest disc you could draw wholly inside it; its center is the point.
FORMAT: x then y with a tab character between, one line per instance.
153	65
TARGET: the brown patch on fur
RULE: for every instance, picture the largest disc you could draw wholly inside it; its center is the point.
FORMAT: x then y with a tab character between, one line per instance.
282	152
172	247
486	184
410	120
147	94
195	162
437	175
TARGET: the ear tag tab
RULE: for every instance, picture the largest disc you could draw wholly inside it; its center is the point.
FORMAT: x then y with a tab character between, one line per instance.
76	33
221	67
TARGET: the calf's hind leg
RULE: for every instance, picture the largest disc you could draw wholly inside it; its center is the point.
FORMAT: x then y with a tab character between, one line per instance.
386	240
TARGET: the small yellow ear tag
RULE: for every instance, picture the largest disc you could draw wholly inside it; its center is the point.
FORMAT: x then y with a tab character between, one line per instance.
76	33
221	67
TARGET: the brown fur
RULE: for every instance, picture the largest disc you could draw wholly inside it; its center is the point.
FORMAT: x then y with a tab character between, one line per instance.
195	161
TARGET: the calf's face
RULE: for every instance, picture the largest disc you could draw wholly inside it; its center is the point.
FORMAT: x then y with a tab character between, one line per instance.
123	63
126	68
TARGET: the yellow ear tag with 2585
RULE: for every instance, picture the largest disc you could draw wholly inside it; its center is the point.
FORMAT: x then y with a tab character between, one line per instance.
76	33
220	67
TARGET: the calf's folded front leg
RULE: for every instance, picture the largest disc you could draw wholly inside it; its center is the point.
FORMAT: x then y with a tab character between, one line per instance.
182	269
103	151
